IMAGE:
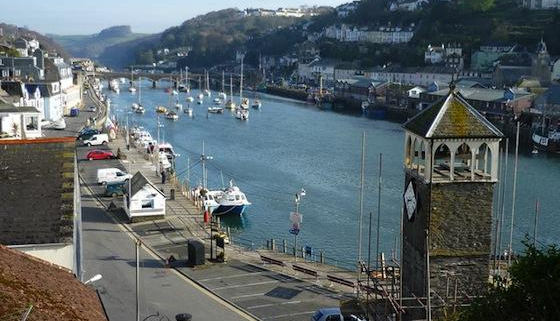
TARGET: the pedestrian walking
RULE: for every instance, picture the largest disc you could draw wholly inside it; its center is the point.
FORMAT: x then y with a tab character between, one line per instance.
163	176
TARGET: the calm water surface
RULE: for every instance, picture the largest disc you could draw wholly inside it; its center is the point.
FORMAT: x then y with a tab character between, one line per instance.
288	145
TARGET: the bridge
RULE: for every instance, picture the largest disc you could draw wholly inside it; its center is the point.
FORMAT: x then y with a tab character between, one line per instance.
154	77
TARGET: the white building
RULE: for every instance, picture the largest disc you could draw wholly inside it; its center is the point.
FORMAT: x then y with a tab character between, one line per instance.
344	10
555	76
408	5
387	35
414	76
541	4
146	199
19	122
434	54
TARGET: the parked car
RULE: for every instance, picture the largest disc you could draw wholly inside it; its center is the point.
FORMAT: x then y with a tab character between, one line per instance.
114	189
96	140
92	109
58	124
88	133
111	175
333	314
100	154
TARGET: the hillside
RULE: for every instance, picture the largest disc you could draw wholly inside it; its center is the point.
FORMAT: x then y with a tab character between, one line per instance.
92	46
11	31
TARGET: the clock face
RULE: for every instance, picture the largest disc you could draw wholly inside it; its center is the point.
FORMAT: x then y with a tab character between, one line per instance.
410	201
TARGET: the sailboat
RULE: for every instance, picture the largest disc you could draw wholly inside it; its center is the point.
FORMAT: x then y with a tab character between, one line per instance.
243	102
189	99
140	109
200	94
222	94
170	113
131	88
207	90
230	104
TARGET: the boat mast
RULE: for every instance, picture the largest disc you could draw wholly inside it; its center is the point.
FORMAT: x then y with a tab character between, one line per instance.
231	87
223	80
241	82
187	79
139	91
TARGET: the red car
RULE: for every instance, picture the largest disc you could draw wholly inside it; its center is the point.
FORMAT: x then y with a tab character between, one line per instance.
99	154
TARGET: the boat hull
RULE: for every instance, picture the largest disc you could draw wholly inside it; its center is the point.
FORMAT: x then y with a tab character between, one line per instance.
222	210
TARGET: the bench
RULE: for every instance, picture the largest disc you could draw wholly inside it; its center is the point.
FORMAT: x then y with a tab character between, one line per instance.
270	260
338	280
305	270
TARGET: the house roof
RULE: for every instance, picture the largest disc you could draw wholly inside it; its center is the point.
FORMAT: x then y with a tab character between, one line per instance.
483	94
452	117
54	292
37	190
13	88
361	82
10	108
138	182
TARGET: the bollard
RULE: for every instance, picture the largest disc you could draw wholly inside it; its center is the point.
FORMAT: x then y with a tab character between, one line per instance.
321	257
172	192
268	244
272	245
284	246
303	252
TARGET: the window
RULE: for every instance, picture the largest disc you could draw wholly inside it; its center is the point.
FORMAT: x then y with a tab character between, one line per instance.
120	174
237	197
31	123
147	203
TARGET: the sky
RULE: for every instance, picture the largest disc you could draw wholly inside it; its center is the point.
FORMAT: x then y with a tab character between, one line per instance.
74	17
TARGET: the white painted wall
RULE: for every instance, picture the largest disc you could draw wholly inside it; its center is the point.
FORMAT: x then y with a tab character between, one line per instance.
145	194
58	253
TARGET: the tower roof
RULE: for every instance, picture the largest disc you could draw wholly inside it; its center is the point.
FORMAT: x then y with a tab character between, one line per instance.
452	117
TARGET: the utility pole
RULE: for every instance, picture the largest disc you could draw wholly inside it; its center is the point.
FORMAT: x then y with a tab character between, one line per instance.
510	251
138	245
362	177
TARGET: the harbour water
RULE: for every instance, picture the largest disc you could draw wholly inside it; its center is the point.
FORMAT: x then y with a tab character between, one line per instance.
289	145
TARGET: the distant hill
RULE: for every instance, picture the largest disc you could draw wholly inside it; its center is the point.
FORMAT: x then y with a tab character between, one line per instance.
92	46
11	31
209	39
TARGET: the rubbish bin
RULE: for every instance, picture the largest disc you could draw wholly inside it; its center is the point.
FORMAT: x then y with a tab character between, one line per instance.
74	112
183	317
172	194
195	250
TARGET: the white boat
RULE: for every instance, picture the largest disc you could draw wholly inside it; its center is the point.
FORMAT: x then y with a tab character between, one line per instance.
200	96
200	102
132	89
244	103
122	80
256	104
168	150
207	90
207	93
172	115
190	99
179	106
188	111
134	106
215	110
114	86
217	101
140	110
222	95
242	114
231	201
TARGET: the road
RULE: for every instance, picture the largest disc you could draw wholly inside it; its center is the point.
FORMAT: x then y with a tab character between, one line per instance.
109	250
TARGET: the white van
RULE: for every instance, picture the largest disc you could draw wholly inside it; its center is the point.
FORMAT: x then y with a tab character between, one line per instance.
111	175
99	139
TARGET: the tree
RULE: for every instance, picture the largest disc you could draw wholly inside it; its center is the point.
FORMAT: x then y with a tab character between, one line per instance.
533	292
479	5
146	57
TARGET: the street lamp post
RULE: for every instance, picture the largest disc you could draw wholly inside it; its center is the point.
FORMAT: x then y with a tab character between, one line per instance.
296	219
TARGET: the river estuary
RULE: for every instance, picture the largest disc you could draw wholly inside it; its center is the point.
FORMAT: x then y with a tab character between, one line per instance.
289	145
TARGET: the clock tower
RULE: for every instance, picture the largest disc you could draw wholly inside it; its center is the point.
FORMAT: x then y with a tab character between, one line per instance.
451	167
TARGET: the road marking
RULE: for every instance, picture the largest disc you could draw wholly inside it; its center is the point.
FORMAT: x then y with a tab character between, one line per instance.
243	285
247	296
233	276
287	315
211	295
272	304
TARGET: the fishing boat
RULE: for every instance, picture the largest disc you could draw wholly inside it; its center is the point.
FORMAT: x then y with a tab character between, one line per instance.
257	104
161	110
215	110
549	143
140	109
171	115
230	201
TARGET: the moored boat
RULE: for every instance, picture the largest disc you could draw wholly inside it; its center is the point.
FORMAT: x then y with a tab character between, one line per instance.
171	115
140	109
215	110
231	201
549	143
257	104
161	110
